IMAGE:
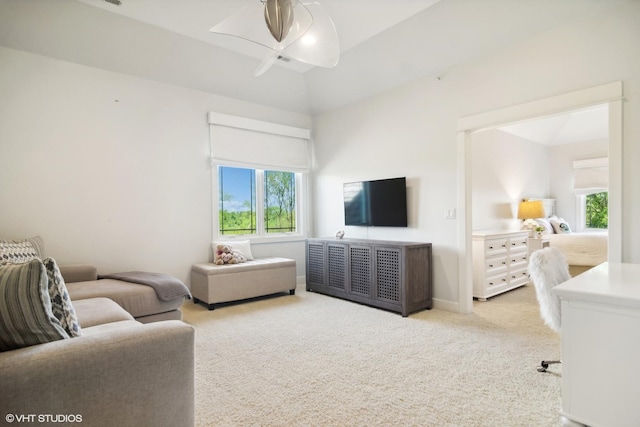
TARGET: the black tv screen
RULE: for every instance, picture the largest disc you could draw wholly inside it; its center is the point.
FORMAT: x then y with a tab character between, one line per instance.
381	203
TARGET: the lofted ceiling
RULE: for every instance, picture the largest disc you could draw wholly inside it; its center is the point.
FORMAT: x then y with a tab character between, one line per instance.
194	18
587	124
384	43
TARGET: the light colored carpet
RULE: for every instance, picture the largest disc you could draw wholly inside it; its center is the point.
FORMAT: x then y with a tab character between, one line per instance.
314	360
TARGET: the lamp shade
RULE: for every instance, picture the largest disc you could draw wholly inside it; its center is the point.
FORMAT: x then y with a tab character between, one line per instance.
530	209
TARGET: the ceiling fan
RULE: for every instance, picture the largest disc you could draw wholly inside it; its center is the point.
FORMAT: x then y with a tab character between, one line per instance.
296	29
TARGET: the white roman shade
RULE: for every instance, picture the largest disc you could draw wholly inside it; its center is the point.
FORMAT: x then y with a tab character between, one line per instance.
591	176
238	141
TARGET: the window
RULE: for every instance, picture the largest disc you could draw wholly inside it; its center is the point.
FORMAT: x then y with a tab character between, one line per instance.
259	172
597	210
257	202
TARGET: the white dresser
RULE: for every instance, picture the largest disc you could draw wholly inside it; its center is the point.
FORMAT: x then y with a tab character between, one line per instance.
600	346
500	261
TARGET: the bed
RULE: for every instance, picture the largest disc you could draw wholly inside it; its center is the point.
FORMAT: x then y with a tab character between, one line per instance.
583	249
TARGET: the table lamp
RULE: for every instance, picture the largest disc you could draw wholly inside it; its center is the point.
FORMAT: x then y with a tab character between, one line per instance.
528	210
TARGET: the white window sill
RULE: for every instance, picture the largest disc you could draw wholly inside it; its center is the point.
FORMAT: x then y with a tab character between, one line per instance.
279	238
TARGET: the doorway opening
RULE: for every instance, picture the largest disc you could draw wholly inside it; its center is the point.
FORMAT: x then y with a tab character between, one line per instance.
609	95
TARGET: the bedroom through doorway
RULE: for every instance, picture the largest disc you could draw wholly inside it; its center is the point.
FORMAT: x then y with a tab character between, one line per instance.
606	98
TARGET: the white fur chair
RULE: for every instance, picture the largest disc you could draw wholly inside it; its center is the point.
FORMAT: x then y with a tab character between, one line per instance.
548	267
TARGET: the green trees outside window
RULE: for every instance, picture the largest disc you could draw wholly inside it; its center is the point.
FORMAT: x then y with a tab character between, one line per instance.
279	202
238	201
597	210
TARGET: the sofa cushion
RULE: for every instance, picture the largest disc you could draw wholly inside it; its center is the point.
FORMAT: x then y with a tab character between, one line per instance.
61	305
25	307
121	325
98	311
139	300
17	253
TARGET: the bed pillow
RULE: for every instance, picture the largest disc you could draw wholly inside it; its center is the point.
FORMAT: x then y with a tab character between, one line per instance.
25	307
560	226
242	246
60	301
544	223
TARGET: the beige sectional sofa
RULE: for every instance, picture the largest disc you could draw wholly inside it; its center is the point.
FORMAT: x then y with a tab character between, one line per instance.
115	371
139	300
119	372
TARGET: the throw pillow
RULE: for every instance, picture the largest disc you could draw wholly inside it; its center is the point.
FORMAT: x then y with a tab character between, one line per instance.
226	254
544	223
25	307
243	246
17	253
560	226
60	301
38	245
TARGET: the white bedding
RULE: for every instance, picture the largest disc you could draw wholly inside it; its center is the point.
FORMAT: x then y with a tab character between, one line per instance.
585	249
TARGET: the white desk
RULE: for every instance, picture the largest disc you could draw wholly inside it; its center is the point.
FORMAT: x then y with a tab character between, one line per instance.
601	346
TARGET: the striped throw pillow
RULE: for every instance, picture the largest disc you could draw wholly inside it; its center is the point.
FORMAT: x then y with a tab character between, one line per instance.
25	307
60	301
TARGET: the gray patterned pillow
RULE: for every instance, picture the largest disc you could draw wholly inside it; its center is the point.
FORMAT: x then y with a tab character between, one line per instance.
60	301
25	308
17	253
38	245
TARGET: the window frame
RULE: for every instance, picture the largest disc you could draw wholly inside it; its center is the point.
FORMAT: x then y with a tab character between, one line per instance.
581	211
261	236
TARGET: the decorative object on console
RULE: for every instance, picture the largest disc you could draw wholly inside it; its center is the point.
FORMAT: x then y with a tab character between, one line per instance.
339	234
528	210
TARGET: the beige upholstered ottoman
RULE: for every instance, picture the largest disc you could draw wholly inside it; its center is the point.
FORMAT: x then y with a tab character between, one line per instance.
213	284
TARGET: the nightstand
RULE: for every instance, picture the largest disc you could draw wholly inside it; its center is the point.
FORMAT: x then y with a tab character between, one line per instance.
535	243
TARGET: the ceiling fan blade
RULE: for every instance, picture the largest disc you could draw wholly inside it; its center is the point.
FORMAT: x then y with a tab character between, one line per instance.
266	64
319	45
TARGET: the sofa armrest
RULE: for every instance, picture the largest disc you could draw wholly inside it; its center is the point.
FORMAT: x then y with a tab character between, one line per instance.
138	375
78	272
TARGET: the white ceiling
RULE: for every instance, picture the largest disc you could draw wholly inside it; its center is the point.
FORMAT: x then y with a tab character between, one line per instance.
384	43
355	20
588	124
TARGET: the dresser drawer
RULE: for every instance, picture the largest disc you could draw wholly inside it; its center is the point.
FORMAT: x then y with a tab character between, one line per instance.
500	279
520	276
494	266
517	244
495	247
518	261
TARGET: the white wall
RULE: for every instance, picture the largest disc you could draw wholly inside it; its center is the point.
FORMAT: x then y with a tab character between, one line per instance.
505	169
110	169
412	130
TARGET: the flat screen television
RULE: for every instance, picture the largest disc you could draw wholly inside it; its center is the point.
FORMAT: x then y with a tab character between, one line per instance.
380	203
